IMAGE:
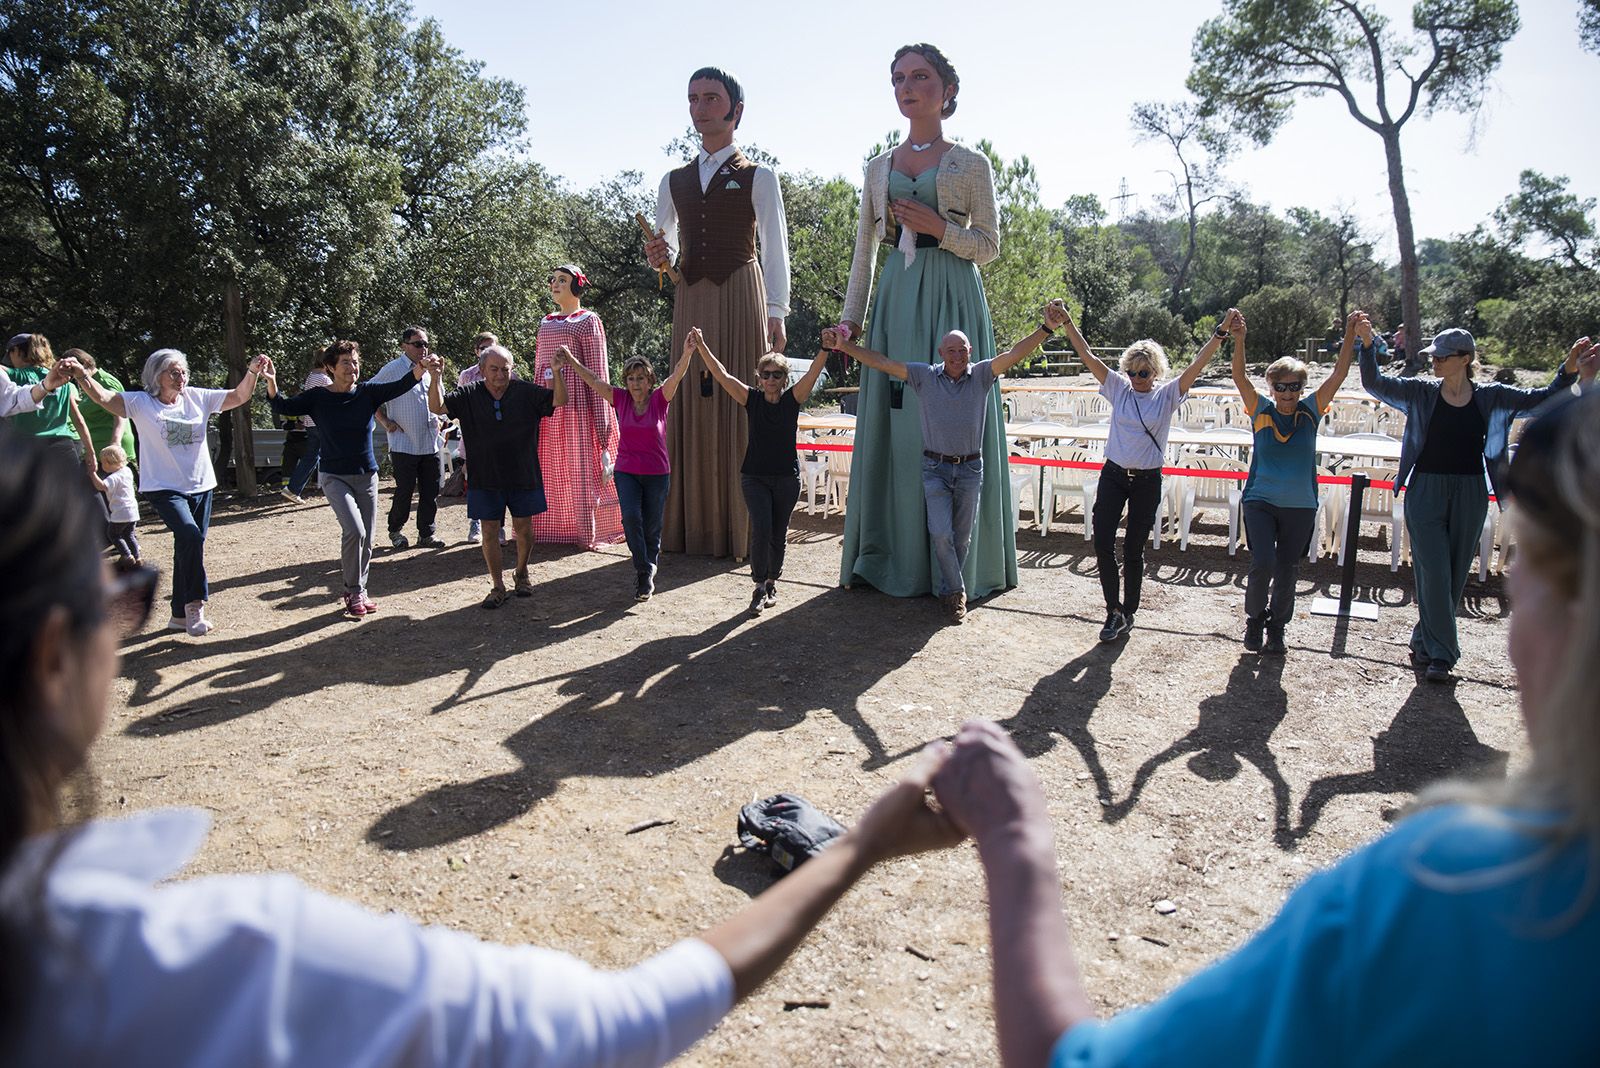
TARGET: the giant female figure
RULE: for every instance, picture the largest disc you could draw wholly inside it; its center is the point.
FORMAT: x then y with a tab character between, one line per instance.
933	203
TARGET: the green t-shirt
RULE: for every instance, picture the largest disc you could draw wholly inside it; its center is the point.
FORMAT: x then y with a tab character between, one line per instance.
53	419
100	421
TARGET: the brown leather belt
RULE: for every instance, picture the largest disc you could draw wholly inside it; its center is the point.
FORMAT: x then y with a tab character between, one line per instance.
949	458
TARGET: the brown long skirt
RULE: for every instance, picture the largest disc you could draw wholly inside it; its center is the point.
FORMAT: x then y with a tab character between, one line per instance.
706	434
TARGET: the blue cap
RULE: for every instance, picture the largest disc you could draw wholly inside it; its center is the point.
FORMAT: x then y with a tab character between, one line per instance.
1451	342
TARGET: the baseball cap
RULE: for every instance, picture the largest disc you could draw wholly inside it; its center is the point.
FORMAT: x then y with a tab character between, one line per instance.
1451	342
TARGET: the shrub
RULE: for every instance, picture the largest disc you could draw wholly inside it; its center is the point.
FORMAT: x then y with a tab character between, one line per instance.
1280	318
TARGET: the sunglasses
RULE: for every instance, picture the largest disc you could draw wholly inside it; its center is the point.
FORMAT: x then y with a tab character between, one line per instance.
1143	372
498	414
1288	387
417	344
130	594
774	374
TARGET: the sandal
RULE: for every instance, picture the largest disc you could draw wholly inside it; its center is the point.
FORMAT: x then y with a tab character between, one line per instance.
495	599
524	586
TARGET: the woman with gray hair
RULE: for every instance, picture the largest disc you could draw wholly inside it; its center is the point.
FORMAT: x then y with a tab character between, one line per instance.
175	472
1142	407
1280	496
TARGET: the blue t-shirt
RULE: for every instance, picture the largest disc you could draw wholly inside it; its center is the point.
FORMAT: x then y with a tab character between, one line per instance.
1283	464
1459	938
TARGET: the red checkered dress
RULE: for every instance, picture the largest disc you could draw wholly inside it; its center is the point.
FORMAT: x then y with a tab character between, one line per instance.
583	502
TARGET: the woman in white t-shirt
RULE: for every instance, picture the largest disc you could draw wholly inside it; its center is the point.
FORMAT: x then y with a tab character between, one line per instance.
1142	407
175	472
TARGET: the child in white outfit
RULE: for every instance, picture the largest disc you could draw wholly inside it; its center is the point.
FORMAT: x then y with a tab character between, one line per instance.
122	507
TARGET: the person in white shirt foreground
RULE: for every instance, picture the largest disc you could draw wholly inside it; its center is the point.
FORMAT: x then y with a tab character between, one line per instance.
106	959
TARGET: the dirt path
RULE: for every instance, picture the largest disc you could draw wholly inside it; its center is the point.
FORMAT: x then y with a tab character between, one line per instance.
480	769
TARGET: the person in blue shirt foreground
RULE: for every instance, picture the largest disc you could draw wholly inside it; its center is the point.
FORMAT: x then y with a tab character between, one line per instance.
1468	935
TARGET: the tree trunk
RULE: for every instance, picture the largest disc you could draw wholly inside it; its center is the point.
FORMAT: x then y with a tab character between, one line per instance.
1405	237
244	445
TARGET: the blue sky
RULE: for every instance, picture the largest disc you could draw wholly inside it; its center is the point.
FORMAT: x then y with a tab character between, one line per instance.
1055	81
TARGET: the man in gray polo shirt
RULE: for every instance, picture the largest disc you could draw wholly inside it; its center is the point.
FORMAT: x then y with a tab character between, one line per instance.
954	396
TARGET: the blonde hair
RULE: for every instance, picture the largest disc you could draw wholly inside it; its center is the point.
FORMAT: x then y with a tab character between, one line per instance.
1554	485
1288	367
773	359
112	457
1147	352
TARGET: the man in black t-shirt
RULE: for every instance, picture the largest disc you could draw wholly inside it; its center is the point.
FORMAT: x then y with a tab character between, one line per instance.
499	419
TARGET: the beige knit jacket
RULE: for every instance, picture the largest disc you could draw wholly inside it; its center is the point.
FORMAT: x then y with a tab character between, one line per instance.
965	184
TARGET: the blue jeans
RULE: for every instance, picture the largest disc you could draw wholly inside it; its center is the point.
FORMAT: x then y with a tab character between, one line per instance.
643	499
951	491
308	462
188	516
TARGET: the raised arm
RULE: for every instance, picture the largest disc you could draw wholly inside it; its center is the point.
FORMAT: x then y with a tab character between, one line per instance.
84	436
832	339
558	384
1054	315
1358	324
669	388
1586	354
756	940
1241	378
436	392
111	402
1096	366
1191	374
563	358
990	792
734	388
241	393
808	381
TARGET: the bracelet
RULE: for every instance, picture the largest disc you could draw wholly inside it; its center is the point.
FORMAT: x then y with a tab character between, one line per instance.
1048	331
1220	334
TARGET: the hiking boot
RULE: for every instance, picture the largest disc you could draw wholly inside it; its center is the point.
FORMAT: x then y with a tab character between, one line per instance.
1253	626
1274	644
1116	626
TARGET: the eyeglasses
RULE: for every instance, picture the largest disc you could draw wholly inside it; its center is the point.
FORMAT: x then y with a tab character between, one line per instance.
130	594
1143	372
1288	387
774	374
498	414
417	344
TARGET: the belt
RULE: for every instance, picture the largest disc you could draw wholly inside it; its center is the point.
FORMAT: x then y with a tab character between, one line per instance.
923	241
950	458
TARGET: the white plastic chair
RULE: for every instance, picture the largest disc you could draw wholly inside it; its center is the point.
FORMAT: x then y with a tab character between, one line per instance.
1199	492
813	475
838	475
1384	507
1060	481
1023	480
1330	517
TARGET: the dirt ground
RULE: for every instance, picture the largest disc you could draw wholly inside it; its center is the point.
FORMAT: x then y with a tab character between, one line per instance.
482	769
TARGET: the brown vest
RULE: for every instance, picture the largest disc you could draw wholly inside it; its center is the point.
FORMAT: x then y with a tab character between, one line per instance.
717	228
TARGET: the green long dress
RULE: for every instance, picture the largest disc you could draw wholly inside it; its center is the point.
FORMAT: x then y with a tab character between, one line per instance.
886	541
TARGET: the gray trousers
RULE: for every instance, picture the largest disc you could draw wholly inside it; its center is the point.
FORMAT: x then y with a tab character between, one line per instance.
354	499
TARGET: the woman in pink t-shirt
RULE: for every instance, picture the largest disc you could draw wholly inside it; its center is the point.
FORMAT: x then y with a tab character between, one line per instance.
643	470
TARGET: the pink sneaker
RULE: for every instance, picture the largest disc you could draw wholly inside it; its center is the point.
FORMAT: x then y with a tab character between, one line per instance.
353	605
368	603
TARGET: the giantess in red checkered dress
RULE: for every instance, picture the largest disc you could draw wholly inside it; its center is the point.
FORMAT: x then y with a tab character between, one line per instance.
582	501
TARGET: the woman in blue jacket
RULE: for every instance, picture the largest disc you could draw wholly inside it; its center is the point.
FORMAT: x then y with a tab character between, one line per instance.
1454	427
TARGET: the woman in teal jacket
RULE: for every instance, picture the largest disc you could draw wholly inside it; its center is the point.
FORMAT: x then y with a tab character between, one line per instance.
1454	427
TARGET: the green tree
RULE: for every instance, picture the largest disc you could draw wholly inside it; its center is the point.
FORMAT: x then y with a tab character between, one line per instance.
1542	208
1199	148
1589	25
822	215
1281	318
1031	267
1253	61
1144	315
1336	255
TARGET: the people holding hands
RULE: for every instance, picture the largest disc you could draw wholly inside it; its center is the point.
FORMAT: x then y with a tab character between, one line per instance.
1142	407
644	470
770	474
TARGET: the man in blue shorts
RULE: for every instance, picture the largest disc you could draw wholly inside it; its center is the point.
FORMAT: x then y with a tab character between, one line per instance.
499	419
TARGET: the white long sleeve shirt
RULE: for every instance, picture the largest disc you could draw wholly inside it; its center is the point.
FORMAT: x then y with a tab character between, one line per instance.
14	399
246	970
772	232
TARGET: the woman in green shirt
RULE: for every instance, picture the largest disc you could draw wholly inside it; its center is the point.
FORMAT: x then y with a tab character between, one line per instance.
57	421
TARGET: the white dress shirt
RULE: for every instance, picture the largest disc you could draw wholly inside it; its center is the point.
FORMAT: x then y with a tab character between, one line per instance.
772	232
14	399
244	970
419	428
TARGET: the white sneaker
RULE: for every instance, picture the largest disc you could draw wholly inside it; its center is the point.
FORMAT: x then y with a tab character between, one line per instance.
195	622
177	623
474	532
292	498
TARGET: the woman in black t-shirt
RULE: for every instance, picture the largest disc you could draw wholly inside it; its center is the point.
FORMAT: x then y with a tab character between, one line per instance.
770	476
